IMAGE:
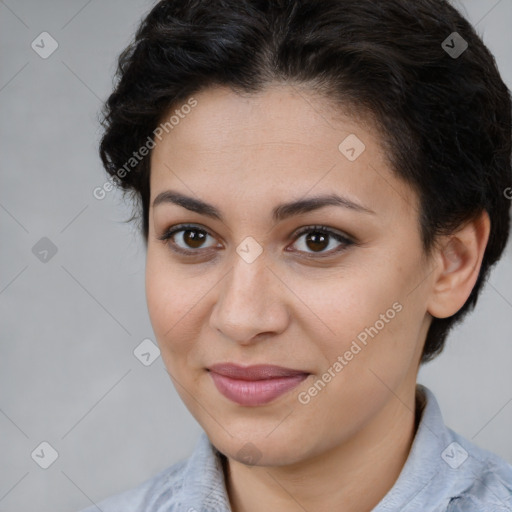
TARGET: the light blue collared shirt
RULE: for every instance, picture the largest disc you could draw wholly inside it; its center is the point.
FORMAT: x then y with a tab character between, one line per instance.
444	472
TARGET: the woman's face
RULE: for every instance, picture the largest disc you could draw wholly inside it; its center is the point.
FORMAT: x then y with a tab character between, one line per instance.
249	289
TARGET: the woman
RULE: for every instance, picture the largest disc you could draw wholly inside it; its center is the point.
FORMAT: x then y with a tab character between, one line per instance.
322	189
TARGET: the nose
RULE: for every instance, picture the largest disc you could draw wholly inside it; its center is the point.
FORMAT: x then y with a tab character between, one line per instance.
251	304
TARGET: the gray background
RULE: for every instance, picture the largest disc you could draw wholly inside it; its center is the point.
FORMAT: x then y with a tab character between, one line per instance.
69	326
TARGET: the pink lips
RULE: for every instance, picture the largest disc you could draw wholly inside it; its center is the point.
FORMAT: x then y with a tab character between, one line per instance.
254	385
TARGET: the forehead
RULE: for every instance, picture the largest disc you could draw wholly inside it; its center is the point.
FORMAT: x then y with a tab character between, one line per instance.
280	142
280	115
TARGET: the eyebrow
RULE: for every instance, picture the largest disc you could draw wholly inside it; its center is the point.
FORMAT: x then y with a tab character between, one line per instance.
279	213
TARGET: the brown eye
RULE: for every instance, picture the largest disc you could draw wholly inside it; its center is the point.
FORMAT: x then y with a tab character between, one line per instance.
186	239
319	238
190	241
317	241
193	237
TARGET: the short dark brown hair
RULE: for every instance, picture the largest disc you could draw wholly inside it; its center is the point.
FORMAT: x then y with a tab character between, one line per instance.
445	119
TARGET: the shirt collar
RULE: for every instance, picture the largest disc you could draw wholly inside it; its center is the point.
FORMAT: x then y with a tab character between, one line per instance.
204	486
424	466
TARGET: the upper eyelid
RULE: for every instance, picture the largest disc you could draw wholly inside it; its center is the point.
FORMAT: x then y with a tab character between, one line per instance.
296	232
345	237
318	227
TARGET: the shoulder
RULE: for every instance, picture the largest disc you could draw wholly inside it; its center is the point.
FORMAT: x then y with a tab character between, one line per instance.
195	483
486	478
152	495
447	472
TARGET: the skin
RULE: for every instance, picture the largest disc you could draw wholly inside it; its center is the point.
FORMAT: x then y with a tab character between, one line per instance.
345	448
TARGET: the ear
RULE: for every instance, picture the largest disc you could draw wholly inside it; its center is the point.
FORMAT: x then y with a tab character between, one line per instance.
459	258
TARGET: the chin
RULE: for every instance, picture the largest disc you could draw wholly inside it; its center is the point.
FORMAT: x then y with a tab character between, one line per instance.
253	448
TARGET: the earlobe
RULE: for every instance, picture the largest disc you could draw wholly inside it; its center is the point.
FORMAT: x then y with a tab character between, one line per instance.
459	260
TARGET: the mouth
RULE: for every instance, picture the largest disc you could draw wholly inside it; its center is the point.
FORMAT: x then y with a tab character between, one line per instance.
254	385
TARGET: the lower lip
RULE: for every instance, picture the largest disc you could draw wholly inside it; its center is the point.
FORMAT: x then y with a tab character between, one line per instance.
255	392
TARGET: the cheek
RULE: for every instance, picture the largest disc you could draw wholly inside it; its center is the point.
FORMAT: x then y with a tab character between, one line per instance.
343	305
170	300
366	316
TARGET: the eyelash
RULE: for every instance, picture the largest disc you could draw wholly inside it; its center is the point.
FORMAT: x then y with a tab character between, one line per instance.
347	242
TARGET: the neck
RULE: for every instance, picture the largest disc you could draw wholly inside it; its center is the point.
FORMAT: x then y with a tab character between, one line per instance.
353	477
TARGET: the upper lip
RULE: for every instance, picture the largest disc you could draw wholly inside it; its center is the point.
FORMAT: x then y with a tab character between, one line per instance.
255	372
